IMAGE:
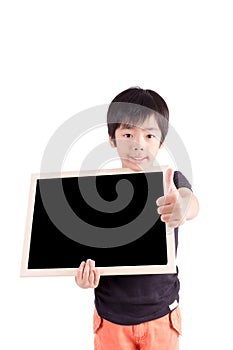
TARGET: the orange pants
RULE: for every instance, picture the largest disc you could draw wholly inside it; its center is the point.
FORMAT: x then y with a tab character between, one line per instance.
160	334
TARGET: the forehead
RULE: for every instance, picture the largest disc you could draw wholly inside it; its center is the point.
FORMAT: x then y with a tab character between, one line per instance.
149	123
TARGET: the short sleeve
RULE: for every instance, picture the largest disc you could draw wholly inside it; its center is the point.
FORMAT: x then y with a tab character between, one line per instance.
181	181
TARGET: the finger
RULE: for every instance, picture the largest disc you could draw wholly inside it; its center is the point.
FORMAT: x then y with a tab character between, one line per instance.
96	277
91	272
169	180
166	218
168	199
91	265
169	221
166	209
161	201
86	271
91	279
79	274
176	223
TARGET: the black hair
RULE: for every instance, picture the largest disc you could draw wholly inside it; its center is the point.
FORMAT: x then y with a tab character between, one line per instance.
133	106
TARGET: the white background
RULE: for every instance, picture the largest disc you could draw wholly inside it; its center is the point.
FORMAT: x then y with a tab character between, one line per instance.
61	57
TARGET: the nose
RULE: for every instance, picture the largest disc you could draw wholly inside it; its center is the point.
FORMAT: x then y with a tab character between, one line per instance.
138	147
138	144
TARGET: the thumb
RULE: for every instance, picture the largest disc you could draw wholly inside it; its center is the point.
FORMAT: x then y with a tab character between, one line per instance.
170	186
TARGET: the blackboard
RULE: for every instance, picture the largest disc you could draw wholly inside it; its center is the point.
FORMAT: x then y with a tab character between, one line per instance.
108	216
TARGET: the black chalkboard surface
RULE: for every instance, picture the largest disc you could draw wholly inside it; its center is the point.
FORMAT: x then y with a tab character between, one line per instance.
108	216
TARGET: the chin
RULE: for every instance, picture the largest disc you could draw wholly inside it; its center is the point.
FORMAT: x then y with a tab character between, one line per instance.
136	167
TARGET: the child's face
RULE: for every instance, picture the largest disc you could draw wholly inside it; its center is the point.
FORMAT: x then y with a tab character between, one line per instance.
138	145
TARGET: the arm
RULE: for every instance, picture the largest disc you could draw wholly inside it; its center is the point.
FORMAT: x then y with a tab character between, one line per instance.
87	275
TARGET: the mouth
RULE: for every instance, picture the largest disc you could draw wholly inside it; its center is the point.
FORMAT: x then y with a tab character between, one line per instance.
137	160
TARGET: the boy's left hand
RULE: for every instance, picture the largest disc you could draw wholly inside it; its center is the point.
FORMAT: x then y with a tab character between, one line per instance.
173	207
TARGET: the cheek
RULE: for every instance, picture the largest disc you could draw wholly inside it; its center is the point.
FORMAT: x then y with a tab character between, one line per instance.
154	150
122	145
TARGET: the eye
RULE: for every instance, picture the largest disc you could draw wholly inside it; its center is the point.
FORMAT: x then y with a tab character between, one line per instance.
127	135
150	136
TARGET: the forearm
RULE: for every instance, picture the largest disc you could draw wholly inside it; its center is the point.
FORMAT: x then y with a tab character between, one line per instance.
190	202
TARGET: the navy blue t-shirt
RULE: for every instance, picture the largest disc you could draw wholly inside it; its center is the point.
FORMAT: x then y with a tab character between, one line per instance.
133	299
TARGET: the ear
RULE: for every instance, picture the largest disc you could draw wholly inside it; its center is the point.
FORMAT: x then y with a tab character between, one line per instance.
112	143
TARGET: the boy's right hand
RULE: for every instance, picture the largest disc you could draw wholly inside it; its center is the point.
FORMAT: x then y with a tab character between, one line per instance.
87	275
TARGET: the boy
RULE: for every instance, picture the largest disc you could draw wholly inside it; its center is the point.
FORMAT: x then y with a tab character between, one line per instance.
140	311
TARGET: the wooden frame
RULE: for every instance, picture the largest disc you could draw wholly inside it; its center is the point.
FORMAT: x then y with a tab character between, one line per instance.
26	271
